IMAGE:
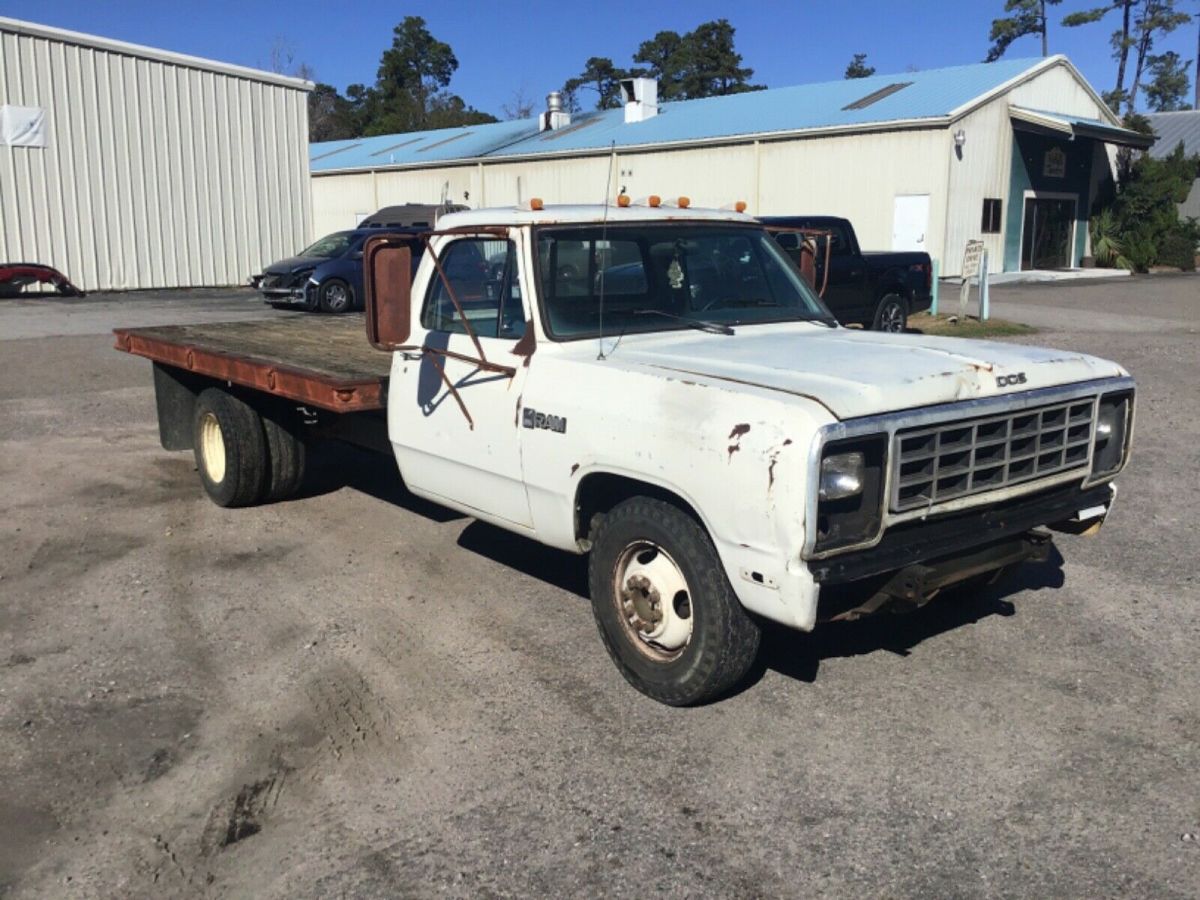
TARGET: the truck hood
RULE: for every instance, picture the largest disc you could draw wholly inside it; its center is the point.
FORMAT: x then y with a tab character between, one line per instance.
857	373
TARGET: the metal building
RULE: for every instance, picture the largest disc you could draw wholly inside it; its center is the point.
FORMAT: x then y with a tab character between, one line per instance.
129	167
1173	129
1011	153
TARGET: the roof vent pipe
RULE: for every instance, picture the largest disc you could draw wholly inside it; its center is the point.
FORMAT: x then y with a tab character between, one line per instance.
555	116
641	98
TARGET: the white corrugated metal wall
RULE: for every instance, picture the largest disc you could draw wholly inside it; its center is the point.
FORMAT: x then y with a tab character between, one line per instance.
853	175
159	170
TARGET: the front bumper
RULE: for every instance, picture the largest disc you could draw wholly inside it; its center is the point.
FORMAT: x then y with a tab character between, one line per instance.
284	294
960	533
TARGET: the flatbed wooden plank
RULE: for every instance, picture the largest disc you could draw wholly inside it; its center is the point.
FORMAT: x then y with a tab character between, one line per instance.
322	360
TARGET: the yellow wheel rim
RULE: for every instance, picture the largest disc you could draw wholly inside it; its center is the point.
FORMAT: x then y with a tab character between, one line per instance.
212	448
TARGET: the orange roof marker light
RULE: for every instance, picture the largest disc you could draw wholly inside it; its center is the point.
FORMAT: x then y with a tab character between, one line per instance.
535	203
740	206
654	200
684	203
623	200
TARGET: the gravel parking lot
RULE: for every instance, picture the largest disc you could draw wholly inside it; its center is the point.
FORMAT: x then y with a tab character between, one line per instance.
358	694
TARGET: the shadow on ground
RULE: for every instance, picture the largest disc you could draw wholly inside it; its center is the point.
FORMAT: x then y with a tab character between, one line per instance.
333	465
799	655
794	654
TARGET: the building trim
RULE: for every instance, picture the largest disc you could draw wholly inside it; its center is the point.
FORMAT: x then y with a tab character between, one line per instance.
140	51
1028	75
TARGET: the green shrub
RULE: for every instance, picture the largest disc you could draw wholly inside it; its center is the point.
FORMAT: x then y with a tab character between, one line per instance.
1141	251
1178	249
1141	219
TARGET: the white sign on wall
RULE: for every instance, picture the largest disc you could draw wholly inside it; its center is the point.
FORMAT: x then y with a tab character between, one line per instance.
22	126
1054	163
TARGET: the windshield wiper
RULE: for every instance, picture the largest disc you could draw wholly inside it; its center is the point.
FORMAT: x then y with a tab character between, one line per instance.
827	321
700	324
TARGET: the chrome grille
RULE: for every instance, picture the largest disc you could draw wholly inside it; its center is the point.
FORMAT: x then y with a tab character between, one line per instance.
943	462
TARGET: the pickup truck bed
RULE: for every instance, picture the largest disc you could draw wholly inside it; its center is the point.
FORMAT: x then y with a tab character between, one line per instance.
321	361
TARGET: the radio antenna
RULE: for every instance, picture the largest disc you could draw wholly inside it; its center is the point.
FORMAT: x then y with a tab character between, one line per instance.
608	180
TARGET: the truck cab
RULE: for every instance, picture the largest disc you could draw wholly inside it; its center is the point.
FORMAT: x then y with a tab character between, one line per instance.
678	362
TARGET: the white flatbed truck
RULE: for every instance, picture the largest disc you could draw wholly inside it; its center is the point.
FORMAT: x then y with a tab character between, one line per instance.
659	388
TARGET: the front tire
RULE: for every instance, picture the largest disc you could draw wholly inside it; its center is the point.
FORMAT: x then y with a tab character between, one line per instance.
231	452
335	296
667	614
892	314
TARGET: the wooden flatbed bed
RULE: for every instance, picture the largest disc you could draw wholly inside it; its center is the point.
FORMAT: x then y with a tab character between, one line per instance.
322	361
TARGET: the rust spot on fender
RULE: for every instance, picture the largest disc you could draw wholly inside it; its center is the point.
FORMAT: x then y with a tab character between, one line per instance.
774	459
736	437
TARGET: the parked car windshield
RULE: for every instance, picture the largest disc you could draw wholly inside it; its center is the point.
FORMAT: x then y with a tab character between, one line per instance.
656	277
331	245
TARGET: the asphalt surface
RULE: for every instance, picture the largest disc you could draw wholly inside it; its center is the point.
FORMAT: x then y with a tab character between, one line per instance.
356	694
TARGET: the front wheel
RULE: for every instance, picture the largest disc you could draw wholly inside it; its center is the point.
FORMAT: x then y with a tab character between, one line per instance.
892	314
335	296
666	612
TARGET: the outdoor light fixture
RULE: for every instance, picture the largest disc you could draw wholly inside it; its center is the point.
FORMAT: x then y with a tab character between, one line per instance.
960	138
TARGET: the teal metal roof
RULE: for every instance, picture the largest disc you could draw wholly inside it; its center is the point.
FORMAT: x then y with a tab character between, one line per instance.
932	94
1079	126
440	145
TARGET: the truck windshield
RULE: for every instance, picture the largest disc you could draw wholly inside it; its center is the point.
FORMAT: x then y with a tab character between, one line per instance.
617	277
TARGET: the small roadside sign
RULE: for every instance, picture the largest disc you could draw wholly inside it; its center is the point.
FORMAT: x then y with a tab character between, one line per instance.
971	257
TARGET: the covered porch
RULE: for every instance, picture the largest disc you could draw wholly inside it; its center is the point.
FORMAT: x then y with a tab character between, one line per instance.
1060	163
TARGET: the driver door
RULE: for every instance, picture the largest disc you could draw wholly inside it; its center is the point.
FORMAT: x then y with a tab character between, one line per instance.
465	450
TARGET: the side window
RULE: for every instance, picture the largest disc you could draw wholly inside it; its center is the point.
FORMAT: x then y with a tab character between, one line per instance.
841	243
483	276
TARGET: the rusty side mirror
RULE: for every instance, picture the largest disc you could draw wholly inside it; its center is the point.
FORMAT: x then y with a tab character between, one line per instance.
387	279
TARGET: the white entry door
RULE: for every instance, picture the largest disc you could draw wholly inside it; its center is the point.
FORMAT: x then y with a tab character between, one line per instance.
910	220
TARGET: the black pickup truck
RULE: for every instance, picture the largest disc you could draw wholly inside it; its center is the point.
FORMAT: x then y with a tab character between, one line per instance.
876	289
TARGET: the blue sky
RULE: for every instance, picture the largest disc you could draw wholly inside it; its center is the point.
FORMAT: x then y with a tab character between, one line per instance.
534	45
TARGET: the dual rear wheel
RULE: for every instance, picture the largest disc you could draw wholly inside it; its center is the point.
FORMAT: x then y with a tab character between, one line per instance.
246	455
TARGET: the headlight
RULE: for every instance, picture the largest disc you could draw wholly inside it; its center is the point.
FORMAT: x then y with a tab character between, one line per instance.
850	492
301	276
841	475
1111	437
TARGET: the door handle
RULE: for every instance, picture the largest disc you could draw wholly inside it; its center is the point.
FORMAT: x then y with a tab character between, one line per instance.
411	355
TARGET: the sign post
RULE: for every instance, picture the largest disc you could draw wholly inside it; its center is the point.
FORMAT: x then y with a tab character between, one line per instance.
970	268
983	288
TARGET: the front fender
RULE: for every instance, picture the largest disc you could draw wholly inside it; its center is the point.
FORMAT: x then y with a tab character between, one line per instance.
737	457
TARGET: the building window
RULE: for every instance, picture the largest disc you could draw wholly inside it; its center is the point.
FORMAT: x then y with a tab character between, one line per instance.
991	216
